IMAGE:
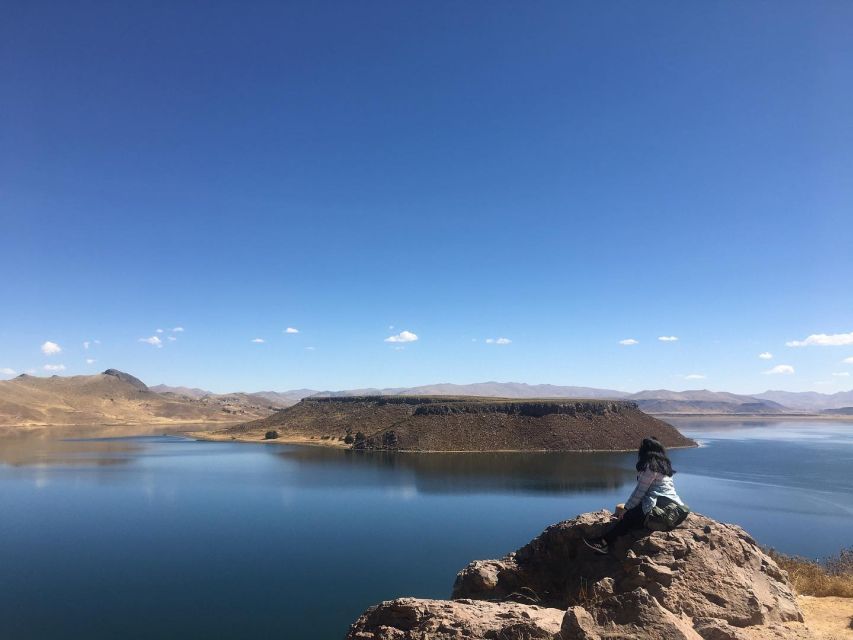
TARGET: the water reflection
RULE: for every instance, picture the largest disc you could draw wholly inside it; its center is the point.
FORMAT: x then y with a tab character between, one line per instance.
558	472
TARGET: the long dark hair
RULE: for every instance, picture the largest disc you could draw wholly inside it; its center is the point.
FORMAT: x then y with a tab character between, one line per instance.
652	456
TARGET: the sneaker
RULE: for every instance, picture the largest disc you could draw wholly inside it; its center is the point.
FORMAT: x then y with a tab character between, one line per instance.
599	545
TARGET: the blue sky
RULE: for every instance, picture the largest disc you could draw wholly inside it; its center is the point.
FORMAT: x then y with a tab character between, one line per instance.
562	175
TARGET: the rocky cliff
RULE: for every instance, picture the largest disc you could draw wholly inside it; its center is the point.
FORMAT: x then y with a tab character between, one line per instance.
705	580
440	423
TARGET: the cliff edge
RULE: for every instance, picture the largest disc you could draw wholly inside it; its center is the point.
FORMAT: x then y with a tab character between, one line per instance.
441	423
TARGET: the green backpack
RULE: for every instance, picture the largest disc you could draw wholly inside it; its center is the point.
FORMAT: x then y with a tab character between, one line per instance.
666	518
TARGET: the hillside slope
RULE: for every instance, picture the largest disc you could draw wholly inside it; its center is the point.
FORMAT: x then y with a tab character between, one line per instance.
434	423
111	397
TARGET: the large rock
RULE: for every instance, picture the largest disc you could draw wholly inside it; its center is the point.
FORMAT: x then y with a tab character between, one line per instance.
703	569
704	581
414	619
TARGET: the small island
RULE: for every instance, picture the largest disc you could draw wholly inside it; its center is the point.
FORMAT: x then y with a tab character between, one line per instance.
458	423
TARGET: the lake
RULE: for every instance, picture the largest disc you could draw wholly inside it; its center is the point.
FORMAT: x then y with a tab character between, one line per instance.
164	537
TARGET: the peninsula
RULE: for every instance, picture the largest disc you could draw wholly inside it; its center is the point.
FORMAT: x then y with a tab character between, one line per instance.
442	423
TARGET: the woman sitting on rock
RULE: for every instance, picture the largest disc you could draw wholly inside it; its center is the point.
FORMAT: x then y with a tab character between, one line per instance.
654	504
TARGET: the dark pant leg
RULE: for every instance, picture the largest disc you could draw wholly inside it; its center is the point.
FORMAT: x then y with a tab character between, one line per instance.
633	519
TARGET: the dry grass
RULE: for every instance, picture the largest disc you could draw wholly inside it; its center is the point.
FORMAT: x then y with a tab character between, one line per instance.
832	576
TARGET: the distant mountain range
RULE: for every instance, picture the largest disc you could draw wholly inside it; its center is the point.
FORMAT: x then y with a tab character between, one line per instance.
661	401
114	397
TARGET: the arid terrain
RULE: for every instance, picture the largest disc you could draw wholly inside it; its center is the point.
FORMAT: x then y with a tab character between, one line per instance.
113	398
436	423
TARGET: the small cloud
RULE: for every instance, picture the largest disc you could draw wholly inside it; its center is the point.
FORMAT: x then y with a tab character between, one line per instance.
399	348
54	367
90	361
498	341
473	339
781	369
178	330
842	374
159	331
258	340
403	336
823	340
86	344
848	360
291	330
668	338
153	341
6	371
694	376
766	355
50	348
309	348
628	342
171	338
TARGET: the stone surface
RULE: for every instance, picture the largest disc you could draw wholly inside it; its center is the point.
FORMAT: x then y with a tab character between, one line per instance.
703	569
704	581
415	619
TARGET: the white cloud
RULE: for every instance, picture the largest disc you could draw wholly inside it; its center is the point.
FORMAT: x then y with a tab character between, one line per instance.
766	355
153	341
258	340
90	361
50	348
842	374
824	340
694	376
498	341
86	345
178	330
54	367
291	330
6	371
159	331
784	369
171	338
403	336
309	348
668	338
627	342
848	360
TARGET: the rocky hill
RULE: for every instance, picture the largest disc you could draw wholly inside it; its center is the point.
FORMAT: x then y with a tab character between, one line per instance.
111	397
437	423
705	580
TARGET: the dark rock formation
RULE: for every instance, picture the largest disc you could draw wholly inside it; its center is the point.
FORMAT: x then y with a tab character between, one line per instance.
705	580
413	423
126	377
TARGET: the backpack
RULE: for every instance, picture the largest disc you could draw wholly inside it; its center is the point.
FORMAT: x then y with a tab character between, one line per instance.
666	518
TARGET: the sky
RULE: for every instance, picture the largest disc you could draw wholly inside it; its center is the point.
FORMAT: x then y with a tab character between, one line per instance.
428	192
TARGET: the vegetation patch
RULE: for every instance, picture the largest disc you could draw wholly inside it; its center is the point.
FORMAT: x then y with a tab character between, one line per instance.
831	576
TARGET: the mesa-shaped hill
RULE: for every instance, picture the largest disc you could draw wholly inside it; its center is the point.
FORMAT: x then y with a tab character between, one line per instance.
111	397
440	423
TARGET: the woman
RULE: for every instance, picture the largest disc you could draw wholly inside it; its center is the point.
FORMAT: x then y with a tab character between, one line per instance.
654	488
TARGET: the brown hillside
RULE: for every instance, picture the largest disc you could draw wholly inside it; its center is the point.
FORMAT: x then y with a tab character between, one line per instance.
111	397
435	423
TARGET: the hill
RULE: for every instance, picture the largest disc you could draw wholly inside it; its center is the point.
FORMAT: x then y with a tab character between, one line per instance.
703	401
809	400
436	423
111	397
483	389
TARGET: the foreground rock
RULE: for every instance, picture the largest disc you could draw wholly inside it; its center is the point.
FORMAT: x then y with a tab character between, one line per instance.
705	580
432	423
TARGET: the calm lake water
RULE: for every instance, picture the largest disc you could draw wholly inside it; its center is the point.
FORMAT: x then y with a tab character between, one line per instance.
164	537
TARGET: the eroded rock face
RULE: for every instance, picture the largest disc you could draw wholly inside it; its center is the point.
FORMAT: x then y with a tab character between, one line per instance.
703	569
704	581
415	619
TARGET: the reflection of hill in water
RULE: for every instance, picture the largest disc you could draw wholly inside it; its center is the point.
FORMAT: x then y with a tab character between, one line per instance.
557	472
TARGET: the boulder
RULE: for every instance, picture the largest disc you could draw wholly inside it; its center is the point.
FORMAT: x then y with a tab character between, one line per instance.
703	581
415	619
703	569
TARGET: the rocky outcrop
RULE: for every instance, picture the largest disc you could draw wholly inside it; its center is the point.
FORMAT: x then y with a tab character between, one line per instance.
705	580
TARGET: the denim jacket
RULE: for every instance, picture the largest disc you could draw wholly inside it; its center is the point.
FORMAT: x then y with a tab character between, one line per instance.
651	486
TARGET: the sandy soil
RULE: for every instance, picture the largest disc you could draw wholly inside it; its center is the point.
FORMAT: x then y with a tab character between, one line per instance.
828	618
